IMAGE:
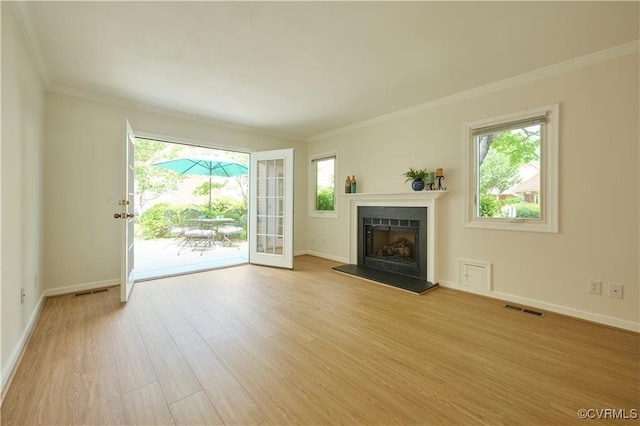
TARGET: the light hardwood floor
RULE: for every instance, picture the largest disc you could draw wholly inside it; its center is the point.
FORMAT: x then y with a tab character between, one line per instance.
256	345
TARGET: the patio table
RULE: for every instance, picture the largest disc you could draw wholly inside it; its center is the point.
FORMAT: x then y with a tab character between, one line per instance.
203	233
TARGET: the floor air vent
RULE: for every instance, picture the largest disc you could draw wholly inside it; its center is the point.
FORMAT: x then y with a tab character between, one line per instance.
525	310
88	292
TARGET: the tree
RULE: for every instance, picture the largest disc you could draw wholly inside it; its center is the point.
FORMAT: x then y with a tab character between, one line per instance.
497	174
152	182
521	146
204	188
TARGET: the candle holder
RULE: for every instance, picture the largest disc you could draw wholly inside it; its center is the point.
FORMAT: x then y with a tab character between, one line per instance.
440	187
428	186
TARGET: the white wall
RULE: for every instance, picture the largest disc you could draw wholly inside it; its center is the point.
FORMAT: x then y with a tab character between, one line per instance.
84	161
21	188
598	189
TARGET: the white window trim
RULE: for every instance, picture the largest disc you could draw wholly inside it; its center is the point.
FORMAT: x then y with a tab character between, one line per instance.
548	174
312	187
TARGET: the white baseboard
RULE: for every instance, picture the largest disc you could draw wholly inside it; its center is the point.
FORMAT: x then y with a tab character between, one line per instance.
12	363
80	287
571	312
325	256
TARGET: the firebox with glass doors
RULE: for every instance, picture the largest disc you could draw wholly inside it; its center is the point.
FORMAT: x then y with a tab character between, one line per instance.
393	239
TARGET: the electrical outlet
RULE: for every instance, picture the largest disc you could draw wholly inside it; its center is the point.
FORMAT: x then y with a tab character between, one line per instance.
22	296
615	290
595	287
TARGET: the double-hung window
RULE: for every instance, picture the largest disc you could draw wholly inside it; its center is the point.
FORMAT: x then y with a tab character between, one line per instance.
322	185
512	171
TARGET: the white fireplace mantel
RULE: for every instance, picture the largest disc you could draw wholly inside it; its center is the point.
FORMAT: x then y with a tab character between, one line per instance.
426	199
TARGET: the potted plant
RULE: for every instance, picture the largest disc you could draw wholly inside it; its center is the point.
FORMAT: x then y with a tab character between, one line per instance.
417	177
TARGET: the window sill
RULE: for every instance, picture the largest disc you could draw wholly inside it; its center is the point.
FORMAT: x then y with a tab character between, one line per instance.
324	215
512	225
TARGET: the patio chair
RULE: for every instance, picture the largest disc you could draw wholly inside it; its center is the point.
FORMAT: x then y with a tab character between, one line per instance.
188	214
227	232
196	234
174	228
199	238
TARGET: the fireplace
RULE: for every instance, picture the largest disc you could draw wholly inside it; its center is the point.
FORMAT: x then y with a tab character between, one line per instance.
393	239
409	260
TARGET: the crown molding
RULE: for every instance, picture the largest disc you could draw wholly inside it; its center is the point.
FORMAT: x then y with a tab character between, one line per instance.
572	64
92	96
23	16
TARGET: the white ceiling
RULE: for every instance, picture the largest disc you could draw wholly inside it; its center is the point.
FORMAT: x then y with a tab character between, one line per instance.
306	68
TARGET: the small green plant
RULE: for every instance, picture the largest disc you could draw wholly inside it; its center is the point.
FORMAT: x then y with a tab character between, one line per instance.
413	174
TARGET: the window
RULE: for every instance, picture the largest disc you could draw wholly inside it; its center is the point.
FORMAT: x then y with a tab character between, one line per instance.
512	171
323	189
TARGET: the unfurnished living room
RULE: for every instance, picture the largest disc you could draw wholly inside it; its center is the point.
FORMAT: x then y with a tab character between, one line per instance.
440	207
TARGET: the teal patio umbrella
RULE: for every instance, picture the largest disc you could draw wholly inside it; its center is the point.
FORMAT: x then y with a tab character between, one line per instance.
204	166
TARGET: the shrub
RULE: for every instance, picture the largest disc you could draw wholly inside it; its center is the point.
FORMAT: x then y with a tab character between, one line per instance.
509	201
153	221
488	206
325	199
221	205
528	210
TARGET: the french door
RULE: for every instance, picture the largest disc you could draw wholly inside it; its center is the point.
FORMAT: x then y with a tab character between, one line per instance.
271	208
127	217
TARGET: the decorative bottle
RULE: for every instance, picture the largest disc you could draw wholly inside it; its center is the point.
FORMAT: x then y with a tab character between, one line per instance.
347	185
353	184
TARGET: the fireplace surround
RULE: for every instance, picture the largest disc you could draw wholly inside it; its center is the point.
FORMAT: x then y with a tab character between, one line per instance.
426	199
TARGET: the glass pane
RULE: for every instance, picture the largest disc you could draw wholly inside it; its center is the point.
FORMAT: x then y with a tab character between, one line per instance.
260	243
260	188
262	168
269	225
280	229
508	173
278	245
325	184
279	187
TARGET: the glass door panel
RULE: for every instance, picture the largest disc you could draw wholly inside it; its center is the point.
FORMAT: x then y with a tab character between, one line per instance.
272	208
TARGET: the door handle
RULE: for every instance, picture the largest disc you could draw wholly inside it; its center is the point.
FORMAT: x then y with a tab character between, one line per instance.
123	215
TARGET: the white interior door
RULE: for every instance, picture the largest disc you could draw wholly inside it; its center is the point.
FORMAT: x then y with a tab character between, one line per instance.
271	208
127	217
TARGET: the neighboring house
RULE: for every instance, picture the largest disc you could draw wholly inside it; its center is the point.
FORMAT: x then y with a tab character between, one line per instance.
527	190
529	186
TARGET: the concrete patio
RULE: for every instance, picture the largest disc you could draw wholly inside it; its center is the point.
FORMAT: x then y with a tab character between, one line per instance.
159	258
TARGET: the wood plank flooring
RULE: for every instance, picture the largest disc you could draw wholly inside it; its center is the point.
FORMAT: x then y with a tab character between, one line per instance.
256	345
